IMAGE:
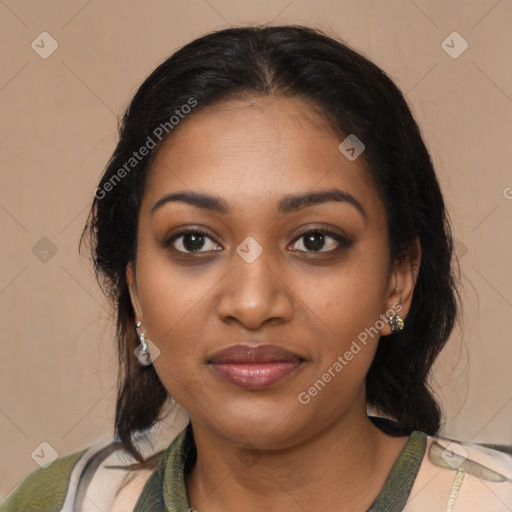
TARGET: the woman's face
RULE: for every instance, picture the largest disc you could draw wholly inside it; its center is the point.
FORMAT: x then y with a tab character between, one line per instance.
294	255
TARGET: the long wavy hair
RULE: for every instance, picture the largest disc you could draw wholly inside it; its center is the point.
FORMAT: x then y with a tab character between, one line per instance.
355	97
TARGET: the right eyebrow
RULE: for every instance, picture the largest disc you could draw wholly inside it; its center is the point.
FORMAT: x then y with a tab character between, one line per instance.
205	201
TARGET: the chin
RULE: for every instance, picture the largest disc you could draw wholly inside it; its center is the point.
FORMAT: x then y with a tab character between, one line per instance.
266	426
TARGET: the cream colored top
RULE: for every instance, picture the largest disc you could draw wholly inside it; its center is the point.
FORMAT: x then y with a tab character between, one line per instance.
452	476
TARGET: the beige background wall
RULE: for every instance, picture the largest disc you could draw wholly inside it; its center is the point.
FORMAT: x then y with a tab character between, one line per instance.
59	116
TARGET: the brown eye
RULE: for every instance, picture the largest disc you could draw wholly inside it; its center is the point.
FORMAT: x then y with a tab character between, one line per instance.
317	240
193	241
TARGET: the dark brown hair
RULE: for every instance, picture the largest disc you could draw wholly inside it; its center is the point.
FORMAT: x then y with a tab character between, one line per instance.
355	97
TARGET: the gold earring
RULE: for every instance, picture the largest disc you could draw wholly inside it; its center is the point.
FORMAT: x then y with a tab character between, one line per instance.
396	322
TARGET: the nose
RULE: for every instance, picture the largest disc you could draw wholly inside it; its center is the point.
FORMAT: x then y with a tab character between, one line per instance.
255	293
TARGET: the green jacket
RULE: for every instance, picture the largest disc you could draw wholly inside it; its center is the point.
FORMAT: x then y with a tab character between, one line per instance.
461	483
45	490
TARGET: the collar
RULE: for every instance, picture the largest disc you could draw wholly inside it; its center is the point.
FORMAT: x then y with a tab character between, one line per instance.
166	489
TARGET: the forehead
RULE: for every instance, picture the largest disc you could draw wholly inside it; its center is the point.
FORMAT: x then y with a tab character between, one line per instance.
254	152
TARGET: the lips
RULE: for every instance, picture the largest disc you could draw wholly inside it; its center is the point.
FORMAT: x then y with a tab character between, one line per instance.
255	367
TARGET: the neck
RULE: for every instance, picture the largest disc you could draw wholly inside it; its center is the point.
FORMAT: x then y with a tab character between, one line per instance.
346	463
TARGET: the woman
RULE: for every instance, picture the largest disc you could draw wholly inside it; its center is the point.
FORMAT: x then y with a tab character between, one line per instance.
272	233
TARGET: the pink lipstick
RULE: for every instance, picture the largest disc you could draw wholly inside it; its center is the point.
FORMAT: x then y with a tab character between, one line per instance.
254	367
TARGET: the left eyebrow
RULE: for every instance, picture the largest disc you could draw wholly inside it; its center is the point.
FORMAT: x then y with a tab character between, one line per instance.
296	202
287	204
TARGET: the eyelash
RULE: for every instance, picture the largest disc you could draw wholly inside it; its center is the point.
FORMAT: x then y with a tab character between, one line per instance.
344	243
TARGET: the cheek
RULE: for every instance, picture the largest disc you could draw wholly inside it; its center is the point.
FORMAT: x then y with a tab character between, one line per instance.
350	304
349	307
350	300
172	301
174	308
170	294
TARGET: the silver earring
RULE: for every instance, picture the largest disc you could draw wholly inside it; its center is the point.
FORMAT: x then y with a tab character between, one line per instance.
142	339
396	322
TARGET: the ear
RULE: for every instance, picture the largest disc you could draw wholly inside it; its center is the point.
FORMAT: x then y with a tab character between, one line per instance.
134	294
402	281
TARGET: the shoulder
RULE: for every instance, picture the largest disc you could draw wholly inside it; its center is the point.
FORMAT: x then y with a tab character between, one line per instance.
44	489
90	479
462	476
100	472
